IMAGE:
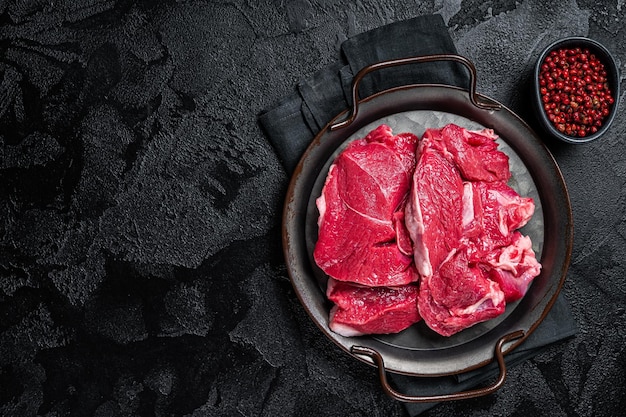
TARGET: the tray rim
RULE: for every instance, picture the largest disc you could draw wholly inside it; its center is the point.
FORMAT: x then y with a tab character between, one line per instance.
453	100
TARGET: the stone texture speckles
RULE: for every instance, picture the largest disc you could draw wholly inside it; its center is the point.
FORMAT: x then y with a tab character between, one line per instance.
268	335
140	263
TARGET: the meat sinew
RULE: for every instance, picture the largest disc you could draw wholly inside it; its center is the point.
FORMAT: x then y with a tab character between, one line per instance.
429	231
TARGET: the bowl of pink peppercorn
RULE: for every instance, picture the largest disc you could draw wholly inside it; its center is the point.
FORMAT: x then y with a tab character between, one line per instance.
576	89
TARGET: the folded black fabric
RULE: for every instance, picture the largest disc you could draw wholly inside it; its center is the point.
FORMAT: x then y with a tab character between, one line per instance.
424	35
557	326
291	124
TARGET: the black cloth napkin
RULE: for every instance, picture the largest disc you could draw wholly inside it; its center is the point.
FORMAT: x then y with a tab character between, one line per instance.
557	326
291	124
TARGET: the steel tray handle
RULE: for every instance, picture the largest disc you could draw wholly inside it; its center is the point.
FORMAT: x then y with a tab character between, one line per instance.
487	105
463	395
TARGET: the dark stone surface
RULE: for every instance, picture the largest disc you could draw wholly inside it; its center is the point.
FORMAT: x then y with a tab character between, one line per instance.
141	271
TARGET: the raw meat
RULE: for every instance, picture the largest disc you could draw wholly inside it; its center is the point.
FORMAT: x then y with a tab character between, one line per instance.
475	153
429	231
491	211
458	295
434	209
360	203
493	240
514	267
462	218
360	310
453	294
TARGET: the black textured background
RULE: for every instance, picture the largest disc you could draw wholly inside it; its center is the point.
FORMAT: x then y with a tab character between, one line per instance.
140	263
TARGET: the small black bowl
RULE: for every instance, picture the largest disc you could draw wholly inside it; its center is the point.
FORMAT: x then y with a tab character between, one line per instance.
612	77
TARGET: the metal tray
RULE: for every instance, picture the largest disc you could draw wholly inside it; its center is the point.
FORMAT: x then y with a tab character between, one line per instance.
418	351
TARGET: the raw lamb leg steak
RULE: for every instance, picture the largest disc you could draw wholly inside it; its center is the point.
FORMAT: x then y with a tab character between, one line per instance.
453	294
360	203
360	310
462	218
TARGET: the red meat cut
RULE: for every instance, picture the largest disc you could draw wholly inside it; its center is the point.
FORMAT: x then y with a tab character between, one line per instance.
434	209
360	310
412	230
475	153
462	218
491	211
360	204
514	267
453	294
458	295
